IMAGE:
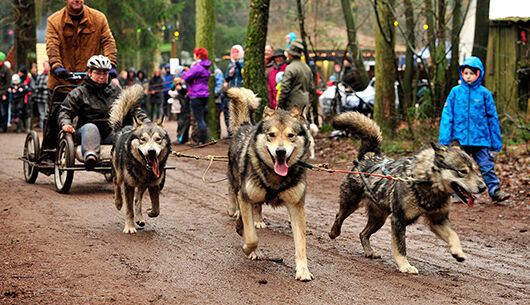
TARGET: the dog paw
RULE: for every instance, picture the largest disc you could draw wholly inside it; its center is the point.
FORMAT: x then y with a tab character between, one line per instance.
152	213
255	255
460	256
260	225
140	223
234	214
334	233
408	269
303	274
373	255
129	230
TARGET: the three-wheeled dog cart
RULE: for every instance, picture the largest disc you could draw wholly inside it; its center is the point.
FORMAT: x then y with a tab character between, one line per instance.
63	160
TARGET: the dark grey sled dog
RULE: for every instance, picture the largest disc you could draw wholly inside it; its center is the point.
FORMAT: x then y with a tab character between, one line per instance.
262	169
139	156
438	172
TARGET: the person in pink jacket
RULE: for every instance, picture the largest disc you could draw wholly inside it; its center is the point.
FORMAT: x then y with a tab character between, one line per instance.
279	65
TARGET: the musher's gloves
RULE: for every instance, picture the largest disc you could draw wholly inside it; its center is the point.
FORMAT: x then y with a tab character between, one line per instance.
113	73
61	72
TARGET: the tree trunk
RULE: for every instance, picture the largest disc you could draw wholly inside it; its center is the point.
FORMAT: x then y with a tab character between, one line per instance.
352	38
480	42
25	32
455	41
440	63
385	73
254	76
312	95
205	37
431	34
409	60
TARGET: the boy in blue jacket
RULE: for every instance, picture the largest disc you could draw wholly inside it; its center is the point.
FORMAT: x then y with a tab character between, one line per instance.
469	116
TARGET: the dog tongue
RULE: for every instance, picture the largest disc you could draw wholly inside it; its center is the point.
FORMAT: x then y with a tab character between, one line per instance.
156	169
280	167
470	201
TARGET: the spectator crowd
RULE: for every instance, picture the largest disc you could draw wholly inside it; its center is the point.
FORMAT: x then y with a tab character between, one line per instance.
180	95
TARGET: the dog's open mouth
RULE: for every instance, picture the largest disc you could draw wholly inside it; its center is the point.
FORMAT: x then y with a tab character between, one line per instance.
463	195
151	161
280	166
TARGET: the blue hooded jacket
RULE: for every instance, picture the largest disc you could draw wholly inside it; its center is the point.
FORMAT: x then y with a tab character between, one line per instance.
469	114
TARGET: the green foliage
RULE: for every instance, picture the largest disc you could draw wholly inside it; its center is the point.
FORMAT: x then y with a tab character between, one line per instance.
231	24
130	21
425	109
515	130
326	127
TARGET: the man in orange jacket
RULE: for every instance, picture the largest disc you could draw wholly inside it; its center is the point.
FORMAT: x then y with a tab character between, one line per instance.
73	35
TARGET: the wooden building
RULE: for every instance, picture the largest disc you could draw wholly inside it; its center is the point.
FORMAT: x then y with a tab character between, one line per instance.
508	64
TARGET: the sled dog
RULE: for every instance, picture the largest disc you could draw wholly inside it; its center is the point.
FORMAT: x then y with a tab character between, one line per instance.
139	156
262	168
436	172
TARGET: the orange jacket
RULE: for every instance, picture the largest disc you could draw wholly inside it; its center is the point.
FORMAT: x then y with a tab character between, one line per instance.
72	50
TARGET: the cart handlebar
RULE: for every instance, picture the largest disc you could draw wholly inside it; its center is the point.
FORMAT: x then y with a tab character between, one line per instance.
76	75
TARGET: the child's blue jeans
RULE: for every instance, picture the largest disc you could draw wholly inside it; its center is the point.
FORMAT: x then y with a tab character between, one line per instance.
486	162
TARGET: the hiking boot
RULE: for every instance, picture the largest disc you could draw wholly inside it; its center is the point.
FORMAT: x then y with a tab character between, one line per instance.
499	196
90	162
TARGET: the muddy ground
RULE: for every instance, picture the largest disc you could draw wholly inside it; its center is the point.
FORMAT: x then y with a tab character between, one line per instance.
70	249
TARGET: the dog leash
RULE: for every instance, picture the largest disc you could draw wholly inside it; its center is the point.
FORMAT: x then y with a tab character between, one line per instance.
322	167
209	157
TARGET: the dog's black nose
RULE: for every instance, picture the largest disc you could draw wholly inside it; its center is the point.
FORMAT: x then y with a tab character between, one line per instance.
151	152
281	152
482	188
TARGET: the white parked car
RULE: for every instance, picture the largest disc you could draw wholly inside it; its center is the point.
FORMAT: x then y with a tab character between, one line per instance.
349	100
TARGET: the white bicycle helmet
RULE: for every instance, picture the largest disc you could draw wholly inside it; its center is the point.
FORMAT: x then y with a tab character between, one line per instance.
99	62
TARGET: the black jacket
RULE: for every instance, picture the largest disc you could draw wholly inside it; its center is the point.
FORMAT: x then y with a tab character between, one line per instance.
5	79
91	104
156	84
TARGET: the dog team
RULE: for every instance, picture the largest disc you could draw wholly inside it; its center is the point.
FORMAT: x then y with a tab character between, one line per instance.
264	168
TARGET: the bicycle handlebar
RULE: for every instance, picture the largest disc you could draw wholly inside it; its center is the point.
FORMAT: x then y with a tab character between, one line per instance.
76	75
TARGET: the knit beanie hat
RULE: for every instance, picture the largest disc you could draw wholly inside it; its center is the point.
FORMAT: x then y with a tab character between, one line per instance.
15	78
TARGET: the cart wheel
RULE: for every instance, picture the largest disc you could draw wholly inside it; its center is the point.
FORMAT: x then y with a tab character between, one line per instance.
31	154
64	158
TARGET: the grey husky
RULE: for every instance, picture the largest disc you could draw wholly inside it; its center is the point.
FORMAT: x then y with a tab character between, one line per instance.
262	168
435	172
139	156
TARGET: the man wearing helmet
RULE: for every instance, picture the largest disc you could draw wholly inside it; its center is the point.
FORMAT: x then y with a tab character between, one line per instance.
90	103
73	35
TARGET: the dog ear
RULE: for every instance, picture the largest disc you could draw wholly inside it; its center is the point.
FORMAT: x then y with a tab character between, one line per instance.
161	120
303	112
436	147
455	143
267	112
295	112
137	122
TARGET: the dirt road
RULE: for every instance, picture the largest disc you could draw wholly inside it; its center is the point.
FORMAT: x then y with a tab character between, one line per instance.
69	249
